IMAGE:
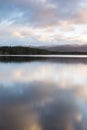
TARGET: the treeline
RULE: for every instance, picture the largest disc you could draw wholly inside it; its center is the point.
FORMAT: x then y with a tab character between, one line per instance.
18	50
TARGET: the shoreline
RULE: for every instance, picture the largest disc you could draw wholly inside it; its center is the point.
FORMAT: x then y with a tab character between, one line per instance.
47	56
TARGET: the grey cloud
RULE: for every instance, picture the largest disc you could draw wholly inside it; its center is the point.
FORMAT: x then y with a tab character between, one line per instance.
39	12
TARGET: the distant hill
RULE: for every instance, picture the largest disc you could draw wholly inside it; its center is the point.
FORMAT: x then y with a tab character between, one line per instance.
66	48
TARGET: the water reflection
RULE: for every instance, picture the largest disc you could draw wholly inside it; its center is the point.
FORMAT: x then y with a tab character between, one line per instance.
63	74
43	95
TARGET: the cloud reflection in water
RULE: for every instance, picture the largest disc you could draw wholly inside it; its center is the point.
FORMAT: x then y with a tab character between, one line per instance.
41	96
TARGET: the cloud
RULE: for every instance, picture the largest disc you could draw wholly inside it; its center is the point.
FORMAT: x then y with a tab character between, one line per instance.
81	16
29	19
41	12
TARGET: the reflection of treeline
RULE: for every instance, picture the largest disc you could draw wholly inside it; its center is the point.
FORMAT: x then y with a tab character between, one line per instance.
20	59
18	50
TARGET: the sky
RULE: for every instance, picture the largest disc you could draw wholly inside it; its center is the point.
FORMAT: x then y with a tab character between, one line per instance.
43	22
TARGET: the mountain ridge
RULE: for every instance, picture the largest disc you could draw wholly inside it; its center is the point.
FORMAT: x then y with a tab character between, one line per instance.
66	48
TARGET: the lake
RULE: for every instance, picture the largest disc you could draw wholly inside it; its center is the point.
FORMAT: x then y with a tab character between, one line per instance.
38	93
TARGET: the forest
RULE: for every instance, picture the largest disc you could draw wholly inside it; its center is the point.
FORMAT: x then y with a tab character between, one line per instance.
18	50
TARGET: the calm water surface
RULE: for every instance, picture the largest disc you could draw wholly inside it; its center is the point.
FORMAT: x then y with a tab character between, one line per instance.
43	95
